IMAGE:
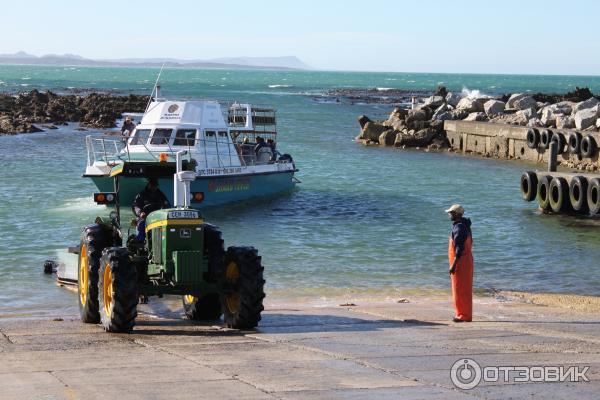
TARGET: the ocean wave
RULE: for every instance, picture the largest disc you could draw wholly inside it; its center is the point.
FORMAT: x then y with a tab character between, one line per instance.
280	86
25	78
384	89
473	94
24	84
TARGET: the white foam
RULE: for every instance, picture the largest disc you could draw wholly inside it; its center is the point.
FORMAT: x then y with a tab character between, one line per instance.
77	204
384	89
279	86
473	94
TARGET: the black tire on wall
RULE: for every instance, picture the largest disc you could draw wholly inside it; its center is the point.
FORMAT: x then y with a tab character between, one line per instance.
593	196
574	142
588	147
578	193
529	184
559	139
543	192
533	138
545	138
559	195
118	291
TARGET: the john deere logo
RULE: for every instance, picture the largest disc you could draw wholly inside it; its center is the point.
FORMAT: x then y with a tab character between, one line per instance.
172	108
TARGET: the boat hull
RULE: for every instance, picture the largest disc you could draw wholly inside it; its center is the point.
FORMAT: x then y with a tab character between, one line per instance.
217	190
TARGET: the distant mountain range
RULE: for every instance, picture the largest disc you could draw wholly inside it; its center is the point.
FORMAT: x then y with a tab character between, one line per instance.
279	63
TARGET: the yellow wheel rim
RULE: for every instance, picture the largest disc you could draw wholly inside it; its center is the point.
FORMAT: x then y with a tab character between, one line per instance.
233	302
189	299
107	290
83	274
232	273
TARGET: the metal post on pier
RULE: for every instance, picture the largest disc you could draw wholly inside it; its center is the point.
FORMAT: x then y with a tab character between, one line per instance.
552	156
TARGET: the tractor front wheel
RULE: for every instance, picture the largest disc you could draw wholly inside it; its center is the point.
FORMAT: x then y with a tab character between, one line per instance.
242	302
204	308
93	241
117	287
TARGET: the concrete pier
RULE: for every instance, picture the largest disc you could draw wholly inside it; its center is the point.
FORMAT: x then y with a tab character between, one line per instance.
372	350
509	142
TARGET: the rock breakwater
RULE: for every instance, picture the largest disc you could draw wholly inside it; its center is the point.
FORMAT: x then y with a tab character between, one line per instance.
422	126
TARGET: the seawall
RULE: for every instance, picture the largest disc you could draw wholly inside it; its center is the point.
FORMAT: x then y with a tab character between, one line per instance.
510	142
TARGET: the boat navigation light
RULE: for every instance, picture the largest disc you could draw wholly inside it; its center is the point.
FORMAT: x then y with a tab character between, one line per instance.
163	157
197	197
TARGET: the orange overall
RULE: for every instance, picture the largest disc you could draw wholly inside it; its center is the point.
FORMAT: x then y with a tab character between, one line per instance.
462	279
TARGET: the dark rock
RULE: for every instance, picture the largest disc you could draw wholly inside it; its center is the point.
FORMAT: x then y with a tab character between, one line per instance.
362	121
388	138
372	131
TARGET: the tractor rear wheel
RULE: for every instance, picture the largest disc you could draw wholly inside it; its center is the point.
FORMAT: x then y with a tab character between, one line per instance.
93	240
117	286
205	308
243	300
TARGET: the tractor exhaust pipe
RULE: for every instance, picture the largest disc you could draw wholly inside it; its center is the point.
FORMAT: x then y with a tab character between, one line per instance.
182	182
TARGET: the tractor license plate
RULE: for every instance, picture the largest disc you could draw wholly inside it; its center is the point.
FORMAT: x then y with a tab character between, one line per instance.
182	214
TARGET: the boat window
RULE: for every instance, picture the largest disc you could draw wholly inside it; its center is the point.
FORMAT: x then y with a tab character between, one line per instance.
222	133
185	137
161	136
140	137
210	133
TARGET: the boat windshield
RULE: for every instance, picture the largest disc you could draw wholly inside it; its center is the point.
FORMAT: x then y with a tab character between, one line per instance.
185	137
140	137
161	136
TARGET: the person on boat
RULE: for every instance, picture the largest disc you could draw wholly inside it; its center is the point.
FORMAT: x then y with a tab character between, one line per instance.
260	143
460	258
247	151
272	145
128	127
148	200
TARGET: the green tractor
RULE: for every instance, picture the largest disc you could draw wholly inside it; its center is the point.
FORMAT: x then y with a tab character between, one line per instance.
180	255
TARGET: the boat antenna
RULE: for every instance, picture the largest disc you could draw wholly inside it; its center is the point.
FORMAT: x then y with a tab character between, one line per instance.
156	87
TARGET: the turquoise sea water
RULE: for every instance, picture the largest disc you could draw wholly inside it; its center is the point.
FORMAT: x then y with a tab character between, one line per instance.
363	219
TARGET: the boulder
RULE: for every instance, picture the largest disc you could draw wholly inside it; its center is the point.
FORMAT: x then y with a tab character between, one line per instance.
525	103
453	99
459	114
416	115
476	116
586	117
434	101
421	138
565	122
548	116
362	121
534	123
589	103
598	123
444	116
372	131
510	103
470	105
394	121
493	107
388	138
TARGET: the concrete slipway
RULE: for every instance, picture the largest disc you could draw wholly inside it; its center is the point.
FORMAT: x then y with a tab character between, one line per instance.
371	351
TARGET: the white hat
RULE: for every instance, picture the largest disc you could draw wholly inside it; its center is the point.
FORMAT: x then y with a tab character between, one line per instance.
456	208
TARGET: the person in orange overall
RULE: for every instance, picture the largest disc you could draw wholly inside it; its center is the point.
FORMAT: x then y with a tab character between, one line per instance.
460	258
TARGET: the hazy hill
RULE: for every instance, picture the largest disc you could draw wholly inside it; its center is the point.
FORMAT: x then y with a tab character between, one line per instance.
285	63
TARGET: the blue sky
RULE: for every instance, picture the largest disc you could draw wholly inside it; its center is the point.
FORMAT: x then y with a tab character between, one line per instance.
531	37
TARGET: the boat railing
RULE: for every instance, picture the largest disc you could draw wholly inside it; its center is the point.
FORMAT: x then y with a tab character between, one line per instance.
113	150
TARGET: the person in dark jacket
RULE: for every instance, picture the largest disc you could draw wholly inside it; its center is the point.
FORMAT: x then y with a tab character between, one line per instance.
128	127
148	200
460	258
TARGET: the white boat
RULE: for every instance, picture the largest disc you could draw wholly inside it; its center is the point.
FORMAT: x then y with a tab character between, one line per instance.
223	147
